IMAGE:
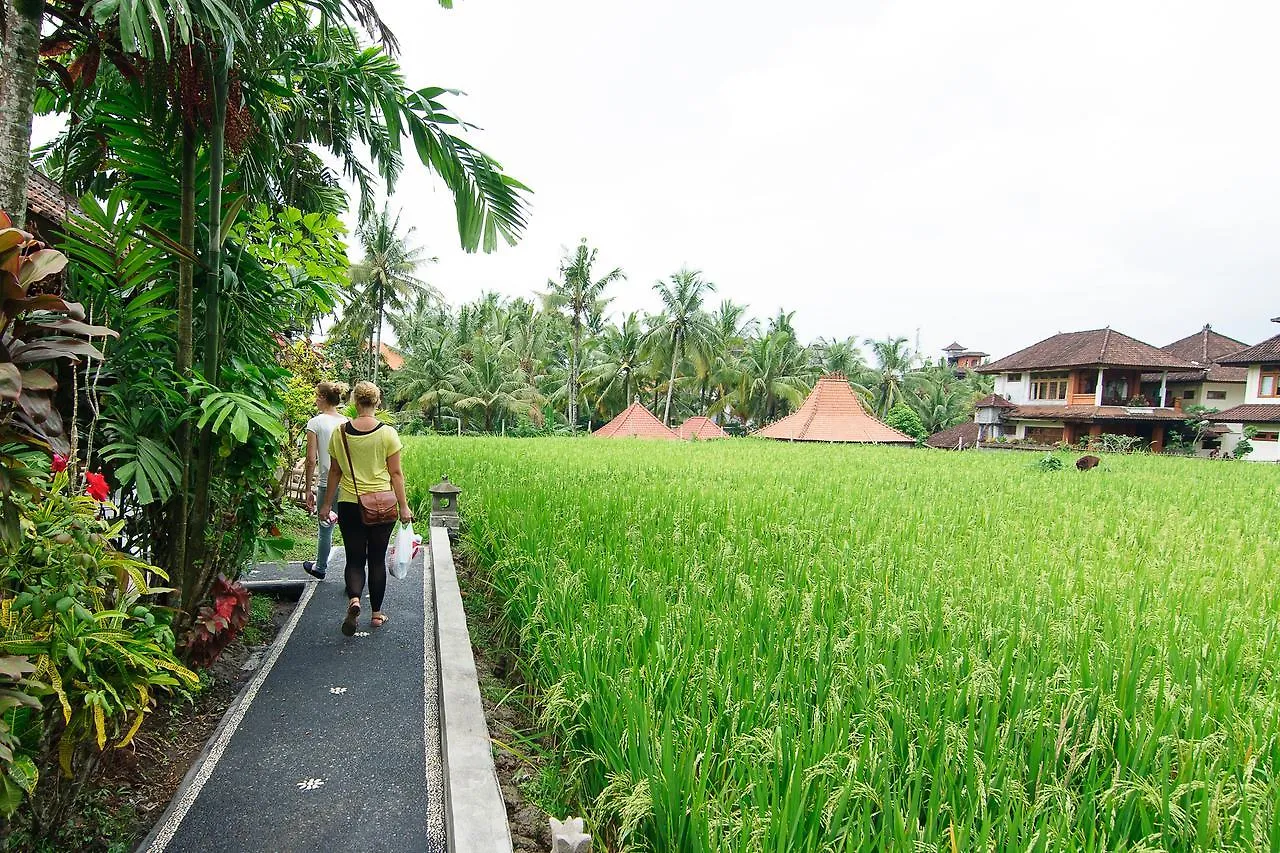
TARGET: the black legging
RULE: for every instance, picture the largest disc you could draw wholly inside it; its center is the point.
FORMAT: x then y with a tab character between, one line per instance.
364	543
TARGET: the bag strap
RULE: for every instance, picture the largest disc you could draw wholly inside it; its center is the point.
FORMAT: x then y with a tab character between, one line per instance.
346	446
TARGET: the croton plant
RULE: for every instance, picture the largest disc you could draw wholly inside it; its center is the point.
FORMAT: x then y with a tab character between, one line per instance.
37	331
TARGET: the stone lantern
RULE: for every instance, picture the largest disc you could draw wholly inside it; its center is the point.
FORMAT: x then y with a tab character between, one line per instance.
444	505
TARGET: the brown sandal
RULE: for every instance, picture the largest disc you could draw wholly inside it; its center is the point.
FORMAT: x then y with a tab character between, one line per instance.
349	624
378	620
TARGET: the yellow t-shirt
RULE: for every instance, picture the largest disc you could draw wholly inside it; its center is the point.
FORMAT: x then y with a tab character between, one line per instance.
370	450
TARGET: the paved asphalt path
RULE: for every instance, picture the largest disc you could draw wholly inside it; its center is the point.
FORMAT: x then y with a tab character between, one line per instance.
332	751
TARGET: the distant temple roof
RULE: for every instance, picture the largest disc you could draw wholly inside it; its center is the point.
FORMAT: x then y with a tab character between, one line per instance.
833	413
701	428
635	421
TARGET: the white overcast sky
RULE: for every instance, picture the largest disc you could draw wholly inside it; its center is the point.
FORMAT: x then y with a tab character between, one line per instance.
991	172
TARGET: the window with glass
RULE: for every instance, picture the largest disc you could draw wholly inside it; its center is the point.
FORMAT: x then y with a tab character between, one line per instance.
1049	386
1215	395
1269	381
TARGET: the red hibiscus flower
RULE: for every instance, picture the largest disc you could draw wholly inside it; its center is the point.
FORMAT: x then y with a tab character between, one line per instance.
98	488
59	463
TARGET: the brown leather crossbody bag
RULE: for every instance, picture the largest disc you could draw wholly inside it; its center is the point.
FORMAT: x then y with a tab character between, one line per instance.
375	507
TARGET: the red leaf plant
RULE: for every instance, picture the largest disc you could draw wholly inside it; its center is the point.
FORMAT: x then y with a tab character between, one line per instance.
216	626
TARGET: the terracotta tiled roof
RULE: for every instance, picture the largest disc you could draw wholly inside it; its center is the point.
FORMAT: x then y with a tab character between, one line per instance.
393	358
1268	350
701	428
959	437
833	413
953	347
1255	413
993	401
46	199
1095	413
635	421
1094	348
1203	349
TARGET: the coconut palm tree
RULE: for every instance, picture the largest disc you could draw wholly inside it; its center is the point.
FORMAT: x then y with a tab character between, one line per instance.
773	372
888	379
683	327
490	384
614	372
581	298
840	356
385	280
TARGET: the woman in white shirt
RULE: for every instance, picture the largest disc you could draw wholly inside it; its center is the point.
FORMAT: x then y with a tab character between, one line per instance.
329	395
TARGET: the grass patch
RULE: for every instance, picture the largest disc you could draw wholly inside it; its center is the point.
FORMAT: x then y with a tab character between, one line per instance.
301	526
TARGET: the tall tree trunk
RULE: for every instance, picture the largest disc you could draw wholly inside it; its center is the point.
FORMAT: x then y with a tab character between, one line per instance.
671	385
19	56
377	346
186	347
573	376
199	573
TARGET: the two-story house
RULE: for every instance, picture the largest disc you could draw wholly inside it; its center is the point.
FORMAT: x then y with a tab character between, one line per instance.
1212	384
1261	407
1076	384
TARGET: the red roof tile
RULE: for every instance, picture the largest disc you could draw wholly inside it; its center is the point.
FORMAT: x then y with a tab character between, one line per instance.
1095	413
833	413
635	422
959	437
1267	351
45	198
993	401
1255	413
1094	348
1204	349
701	428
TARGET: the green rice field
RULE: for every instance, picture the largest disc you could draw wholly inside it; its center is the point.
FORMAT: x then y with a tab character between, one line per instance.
751	646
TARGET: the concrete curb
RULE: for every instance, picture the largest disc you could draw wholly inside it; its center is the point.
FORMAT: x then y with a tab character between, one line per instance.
475	814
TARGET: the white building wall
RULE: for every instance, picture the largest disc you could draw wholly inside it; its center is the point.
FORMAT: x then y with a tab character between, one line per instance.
1265	451
1251	386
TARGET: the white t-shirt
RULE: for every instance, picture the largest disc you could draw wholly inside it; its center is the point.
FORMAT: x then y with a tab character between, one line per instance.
323	427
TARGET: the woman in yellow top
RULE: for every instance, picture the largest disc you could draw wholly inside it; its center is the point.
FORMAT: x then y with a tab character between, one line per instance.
375	463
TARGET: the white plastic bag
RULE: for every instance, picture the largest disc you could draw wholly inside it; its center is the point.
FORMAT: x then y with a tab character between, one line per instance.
401	552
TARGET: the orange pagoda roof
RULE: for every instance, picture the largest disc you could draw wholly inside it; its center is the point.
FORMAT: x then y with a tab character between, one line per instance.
702	429
833	413
635	422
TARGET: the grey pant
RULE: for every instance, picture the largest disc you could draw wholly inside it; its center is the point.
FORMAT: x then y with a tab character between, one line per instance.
324	539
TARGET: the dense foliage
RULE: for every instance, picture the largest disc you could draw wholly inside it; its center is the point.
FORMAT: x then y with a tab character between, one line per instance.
838	648
506	365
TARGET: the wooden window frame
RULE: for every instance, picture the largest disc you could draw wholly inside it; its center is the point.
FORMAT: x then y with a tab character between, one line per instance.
1267	436
1057	380
1273	371
1215	395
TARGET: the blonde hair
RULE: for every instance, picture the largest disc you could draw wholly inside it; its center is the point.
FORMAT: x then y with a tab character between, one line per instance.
332	393
368	395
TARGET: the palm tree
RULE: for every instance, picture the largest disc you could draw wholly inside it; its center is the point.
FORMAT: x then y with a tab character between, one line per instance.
774	371
490	384
683	327
840	356
939	399
581	298
384	281
888	379
613	373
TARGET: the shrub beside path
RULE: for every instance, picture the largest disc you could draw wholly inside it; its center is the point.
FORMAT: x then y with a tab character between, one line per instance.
333	745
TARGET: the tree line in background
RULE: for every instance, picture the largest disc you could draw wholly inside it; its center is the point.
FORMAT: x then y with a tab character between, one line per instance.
563	362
